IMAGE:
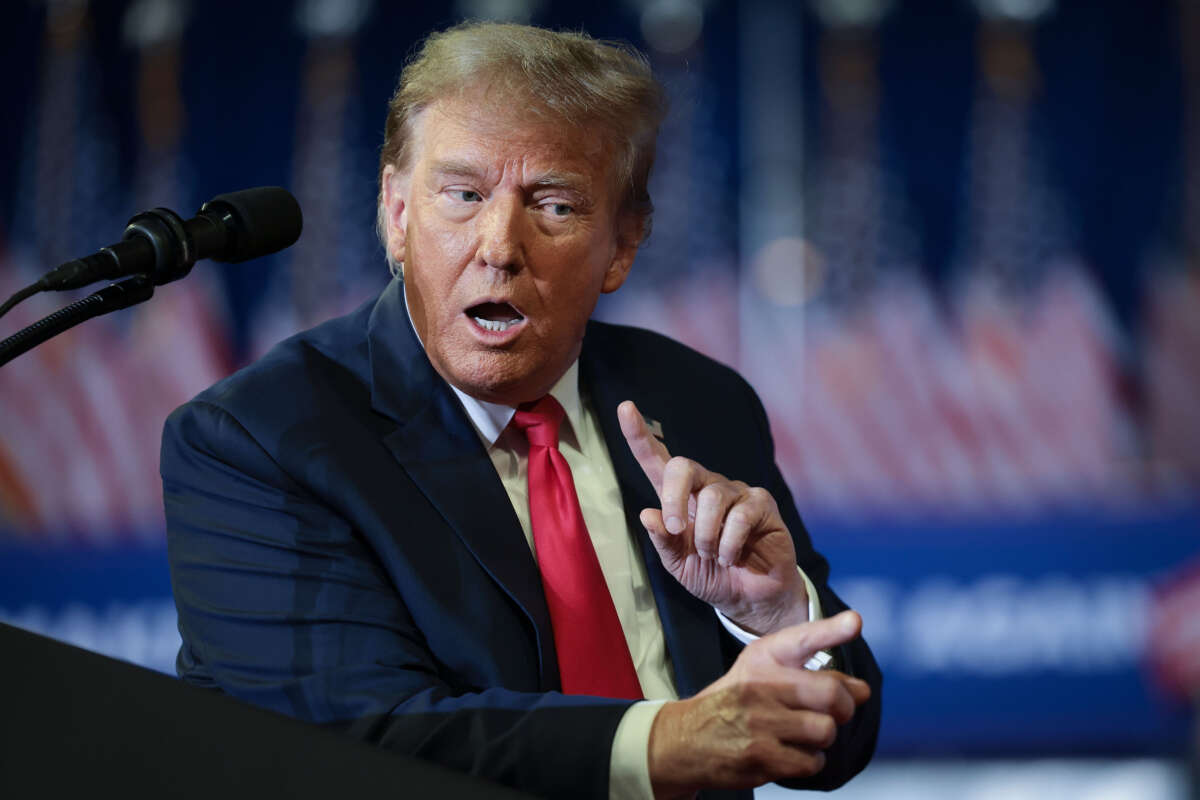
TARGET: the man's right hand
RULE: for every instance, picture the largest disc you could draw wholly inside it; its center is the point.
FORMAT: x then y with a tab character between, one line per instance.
766	719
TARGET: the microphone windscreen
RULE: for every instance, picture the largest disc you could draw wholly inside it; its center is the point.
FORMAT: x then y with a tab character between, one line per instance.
263	220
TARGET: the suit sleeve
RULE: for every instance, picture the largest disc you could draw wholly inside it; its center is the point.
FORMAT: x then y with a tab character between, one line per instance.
856	739
282	605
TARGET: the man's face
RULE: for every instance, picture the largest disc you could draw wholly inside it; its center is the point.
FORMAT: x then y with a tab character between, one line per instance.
509	232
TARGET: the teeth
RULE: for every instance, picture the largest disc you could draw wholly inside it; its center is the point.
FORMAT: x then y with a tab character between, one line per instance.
494	325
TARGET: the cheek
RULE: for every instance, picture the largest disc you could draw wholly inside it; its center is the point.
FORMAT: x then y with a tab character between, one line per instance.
589	263
436	260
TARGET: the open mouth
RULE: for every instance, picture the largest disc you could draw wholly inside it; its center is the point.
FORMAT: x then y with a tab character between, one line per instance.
496	317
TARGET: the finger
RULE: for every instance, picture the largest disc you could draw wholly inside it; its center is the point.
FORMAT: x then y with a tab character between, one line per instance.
672	550
680	478
793	646
859	689
825	693
651	454
752	509
806	763
809	729
712	509
775	760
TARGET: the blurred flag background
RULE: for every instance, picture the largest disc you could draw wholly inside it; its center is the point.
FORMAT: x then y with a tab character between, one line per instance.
954	244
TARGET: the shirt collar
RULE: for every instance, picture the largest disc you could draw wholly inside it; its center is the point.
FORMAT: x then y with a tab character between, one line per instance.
490	419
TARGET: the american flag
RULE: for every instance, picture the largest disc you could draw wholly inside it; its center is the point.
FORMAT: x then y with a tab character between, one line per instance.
1175	633
83	413
888	396
1172	323
340	263
1173	379
684	282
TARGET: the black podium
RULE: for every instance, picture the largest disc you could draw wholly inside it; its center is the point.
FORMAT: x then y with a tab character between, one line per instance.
77	724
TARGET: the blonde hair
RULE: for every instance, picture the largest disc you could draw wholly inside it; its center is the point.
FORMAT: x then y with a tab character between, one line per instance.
556	74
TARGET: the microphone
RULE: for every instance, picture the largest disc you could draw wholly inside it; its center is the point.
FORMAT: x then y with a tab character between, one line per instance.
232	227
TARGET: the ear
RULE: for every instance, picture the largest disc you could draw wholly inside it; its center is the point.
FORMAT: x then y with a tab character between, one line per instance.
395	208
629	238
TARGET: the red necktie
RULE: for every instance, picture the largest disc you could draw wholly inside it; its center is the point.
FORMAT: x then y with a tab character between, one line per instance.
593	657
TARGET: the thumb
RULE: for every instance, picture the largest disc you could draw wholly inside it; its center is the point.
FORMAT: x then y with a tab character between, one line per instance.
793	646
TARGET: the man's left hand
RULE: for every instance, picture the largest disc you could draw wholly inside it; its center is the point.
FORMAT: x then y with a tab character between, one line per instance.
723	540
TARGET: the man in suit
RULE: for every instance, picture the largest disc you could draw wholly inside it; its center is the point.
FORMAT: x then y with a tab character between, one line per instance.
458	522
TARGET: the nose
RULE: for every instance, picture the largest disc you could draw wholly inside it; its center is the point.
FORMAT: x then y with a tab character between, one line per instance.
500	232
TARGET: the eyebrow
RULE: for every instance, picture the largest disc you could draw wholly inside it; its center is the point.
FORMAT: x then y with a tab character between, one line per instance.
561	180
460	169
553	179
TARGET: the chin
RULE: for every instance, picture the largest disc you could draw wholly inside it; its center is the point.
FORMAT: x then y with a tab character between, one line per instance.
509	376
493	380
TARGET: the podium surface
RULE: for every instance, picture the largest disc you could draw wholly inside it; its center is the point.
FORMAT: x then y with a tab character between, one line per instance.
73	722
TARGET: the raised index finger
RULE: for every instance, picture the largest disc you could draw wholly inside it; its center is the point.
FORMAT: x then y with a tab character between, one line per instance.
651	454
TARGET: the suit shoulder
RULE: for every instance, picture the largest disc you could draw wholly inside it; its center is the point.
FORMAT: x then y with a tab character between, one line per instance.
304	372
644	350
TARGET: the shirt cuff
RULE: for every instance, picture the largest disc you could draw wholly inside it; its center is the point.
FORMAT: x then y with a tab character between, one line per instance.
629	765
745	637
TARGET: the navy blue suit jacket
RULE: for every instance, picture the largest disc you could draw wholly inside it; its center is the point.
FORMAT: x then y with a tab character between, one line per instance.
343	551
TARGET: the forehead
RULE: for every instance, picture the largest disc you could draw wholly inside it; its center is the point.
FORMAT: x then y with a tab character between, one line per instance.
494	135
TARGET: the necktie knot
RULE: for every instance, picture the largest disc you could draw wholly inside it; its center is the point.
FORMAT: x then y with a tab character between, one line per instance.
540	421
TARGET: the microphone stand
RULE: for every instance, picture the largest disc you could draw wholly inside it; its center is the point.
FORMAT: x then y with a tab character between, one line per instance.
113	297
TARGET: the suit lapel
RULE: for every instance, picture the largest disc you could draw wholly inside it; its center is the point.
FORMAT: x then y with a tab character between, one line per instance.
442	454
690	625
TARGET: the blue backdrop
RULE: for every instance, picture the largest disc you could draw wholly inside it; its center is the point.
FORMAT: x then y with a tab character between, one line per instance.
949	245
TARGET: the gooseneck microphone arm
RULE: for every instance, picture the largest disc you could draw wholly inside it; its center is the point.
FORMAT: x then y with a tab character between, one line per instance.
115	296
159	246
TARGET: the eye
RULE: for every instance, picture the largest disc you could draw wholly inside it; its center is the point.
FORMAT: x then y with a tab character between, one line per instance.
466	195
559	210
